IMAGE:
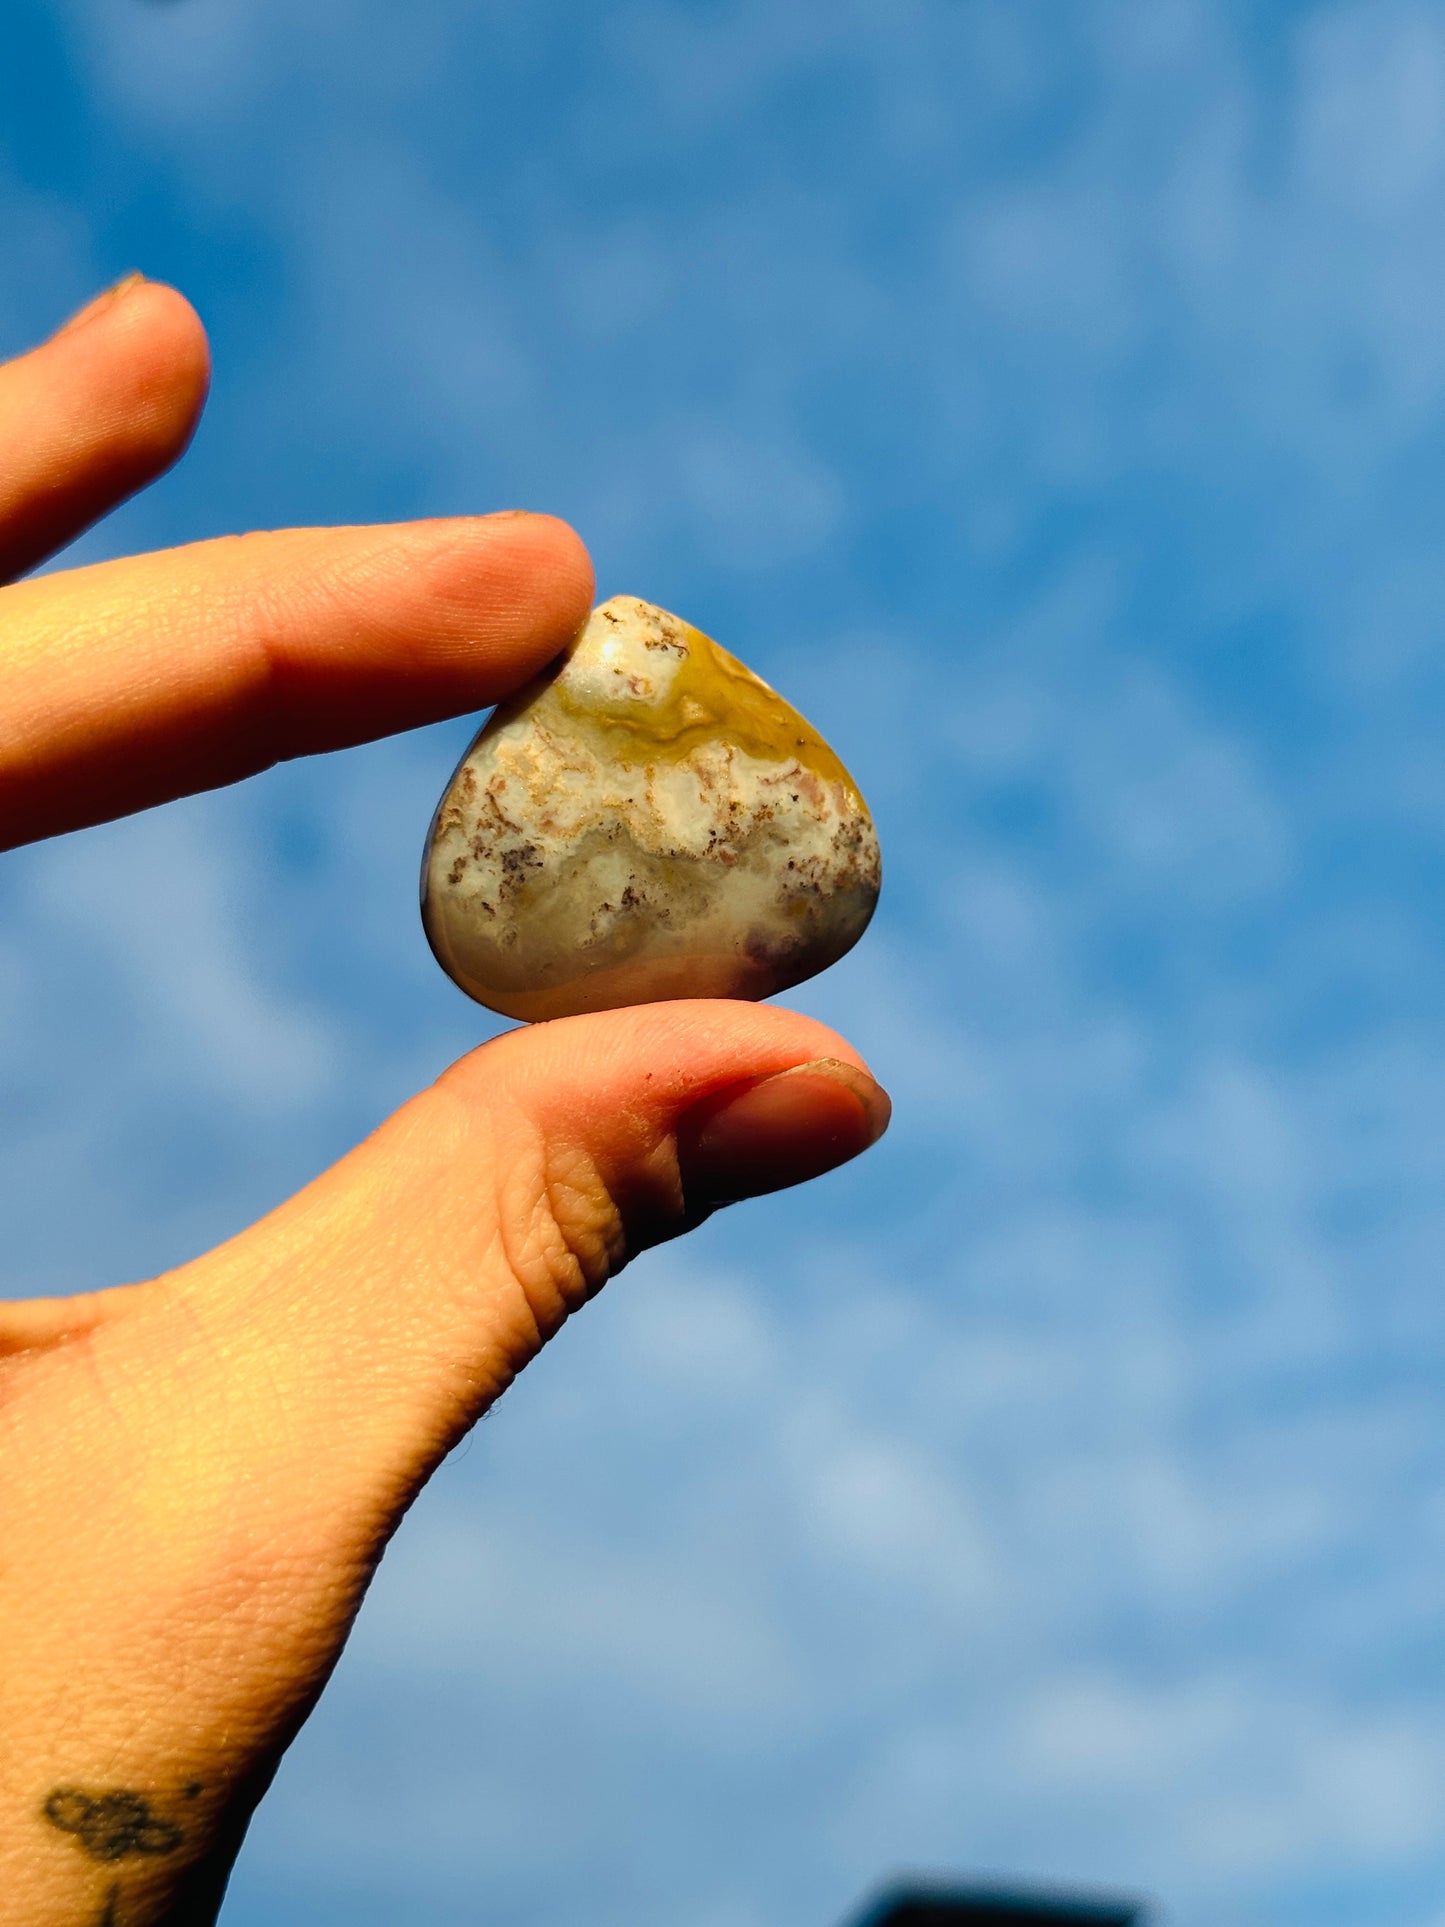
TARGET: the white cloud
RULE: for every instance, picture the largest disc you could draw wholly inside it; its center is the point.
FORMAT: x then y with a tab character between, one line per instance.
159	909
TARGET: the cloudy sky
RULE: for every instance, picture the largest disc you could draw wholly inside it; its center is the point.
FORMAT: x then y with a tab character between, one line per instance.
1049	397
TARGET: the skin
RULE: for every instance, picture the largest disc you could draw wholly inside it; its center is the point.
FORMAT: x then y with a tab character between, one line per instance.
198	1474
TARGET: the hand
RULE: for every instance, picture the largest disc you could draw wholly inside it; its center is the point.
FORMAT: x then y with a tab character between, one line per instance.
198	1474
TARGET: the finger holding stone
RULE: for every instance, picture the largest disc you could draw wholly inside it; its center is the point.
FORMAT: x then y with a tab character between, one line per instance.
131	682
209	1477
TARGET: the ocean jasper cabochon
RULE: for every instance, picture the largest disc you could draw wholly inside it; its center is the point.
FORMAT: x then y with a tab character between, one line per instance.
645	820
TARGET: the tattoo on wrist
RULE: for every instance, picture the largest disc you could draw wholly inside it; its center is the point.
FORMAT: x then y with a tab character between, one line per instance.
111	1826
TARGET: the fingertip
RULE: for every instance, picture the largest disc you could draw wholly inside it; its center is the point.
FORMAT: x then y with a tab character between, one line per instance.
104	406
651	1062
139	357
160	343
502	592
554	547
555	580
769	1133
673	1109
544	547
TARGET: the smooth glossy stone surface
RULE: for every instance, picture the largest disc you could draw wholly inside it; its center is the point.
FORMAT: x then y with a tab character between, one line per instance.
646	820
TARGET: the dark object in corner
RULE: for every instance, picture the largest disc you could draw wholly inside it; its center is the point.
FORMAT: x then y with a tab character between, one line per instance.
974	1907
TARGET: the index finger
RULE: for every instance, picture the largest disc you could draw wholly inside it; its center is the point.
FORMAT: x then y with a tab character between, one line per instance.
129	683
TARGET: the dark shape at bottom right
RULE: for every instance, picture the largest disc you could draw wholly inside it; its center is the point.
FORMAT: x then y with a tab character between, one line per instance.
927	1906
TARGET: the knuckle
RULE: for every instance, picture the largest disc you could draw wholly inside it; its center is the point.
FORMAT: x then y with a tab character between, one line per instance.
561	1232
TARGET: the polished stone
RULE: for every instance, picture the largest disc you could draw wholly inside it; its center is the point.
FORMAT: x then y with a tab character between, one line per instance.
647	820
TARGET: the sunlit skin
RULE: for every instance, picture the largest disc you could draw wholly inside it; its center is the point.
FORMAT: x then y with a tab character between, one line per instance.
199	1473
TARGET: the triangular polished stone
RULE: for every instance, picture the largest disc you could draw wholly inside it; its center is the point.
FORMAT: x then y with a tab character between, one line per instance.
646	820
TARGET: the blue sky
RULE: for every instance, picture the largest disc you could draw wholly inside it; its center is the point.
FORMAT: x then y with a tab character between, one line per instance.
1049	397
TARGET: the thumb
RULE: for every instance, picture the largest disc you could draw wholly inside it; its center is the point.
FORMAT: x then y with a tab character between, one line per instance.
400	1293
207	1468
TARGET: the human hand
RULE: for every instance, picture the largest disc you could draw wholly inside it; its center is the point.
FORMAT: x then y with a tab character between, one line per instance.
199	1474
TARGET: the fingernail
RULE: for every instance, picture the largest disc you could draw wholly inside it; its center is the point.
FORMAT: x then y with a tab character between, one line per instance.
770	1132
103	302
